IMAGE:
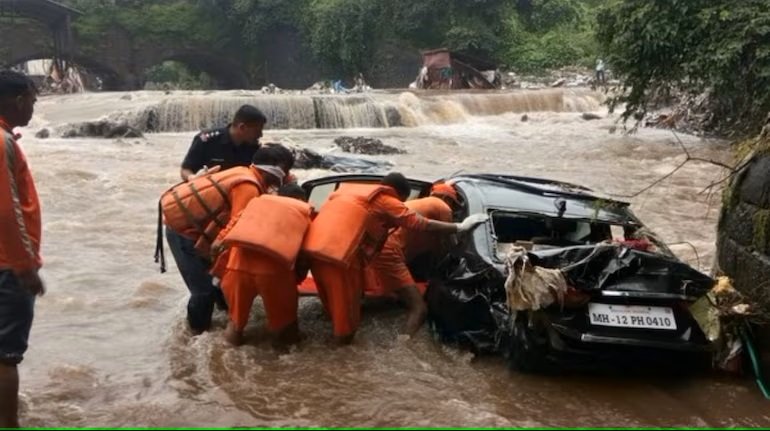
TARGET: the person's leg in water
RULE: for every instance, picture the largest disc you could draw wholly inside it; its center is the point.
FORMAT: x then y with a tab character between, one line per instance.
340	290
287	336
195	272
394	276
415	303
9	396
17	306
233	334
280	297
219	299
239	291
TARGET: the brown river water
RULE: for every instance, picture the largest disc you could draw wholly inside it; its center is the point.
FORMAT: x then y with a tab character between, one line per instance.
109	346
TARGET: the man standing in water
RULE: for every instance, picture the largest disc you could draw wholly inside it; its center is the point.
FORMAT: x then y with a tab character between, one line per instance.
20	231
601	77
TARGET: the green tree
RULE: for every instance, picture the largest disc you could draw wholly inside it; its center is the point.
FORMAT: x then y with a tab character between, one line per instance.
178	75
662	47
252	20
344	33
166	21
547	34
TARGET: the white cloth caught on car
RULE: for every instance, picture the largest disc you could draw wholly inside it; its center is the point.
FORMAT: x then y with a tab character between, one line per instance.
531	287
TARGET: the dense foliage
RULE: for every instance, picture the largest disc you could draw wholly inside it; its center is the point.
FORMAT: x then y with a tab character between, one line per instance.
175	75
661	48
526	35
153	21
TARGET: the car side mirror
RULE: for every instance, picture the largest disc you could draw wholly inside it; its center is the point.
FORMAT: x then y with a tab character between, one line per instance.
317	195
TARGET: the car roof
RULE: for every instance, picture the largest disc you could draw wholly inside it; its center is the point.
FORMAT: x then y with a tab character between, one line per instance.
542	196
520	194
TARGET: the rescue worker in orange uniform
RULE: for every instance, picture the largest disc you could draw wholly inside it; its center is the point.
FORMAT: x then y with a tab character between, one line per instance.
20	234
262	247
404	245
349	231
196	211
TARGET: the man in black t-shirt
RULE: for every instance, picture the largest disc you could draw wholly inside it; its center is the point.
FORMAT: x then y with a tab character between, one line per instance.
227	147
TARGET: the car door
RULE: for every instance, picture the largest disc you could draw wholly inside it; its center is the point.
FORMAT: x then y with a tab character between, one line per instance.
319	189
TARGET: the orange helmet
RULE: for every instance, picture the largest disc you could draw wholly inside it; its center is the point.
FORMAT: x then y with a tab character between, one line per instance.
445	190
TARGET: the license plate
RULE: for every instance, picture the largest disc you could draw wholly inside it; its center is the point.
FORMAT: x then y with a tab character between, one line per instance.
631	316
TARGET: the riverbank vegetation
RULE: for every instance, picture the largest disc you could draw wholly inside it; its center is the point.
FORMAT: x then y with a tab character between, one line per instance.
713	56
523	35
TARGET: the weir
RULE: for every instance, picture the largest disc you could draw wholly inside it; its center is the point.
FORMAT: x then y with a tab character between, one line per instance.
377	110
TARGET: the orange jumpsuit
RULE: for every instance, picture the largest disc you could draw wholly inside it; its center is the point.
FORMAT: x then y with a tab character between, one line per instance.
247	273
390	266
250	274
339	288
20	220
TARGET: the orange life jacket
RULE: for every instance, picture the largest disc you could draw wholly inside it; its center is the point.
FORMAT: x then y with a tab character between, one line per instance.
273	225
20	226
414	243
345	227
200	208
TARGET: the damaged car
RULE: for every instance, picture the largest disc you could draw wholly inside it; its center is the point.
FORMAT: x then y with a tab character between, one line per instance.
559	277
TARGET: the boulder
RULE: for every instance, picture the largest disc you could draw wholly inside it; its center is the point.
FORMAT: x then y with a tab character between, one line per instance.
362	145
102	129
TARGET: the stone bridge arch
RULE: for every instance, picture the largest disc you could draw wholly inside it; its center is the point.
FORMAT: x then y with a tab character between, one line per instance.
26	41
55	17
112	80
122	61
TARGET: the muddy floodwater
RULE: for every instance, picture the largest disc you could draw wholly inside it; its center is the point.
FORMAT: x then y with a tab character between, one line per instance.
109	346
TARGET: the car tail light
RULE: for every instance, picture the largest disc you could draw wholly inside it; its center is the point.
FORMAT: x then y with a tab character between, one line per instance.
575	298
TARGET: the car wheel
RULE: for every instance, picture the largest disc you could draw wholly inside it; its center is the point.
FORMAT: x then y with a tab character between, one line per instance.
529	344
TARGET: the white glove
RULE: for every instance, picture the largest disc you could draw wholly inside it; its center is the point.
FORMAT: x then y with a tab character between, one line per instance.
472	222
205	170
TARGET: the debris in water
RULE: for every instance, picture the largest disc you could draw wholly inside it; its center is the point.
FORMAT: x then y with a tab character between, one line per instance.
446	70
559	83
102	129
309	159
362	145
271	89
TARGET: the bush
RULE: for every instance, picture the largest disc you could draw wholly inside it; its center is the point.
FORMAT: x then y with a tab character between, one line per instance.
664	47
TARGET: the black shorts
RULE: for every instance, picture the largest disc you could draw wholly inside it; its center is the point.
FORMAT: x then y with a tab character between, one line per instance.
16	311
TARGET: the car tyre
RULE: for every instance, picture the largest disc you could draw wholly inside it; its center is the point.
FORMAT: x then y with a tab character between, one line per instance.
529	345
